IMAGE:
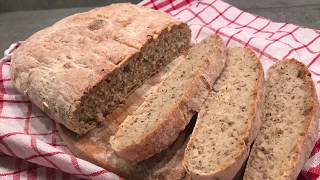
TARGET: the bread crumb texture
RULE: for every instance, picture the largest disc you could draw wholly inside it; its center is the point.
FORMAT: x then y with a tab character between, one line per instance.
290	105
221	135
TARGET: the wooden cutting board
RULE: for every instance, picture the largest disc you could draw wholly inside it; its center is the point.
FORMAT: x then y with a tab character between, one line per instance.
95	147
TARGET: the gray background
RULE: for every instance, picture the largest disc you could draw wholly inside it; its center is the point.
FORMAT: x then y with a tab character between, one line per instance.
21	18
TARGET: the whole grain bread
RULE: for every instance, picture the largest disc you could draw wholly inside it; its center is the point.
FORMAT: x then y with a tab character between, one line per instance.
290	125
82	67
168	109
228	120
94	146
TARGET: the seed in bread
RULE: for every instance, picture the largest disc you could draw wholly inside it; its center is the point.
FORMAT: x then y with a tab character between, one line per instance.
166	112
82	67
290	125
228	120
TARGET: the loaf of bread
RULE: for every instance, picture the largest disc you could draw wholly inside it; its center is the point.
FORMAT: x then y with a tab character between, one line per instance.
290	125
82	67
228	120
167	110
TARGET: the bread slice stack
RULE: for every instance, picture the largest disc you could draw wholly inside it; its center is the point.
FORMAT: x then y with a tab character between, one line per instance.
290	126
95	145
228	120
167	110
227	124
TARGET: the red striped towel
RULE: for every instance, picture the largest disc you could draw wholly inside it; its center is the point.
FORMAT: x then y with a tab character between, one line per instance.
30	146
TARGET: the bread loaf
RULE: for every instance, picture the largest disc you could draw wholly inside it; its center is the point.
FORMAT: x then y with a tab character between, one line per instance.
228	120
166	112
290	125
82	67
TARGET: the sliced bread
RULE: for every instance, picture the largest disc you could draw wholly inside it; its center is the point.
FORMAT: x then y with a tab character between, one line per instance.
85	65
290	124
228	120
94	146
168	109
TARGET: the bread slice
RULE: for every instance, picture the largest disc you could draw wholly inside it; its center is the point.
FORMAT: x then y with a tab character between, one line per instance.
85	65
166	112
165	165
228	120
290	126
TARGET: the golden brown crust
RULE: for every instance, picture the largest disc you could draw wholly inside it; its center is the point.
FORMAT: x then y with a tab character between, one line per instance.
58	65
257	107
230	168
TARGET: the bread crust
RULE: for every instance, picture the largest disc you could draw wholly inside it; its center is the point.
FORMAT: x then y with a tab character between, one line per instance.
230	168
305	145
58	65
178	117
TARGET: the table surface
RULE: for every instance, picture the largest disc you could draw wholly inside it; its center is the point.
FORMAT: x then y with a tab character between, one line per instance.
18	25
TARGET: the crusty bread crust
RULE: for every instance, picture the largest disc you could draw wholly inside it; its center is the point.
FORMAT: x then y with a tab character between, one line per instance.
230	168
304	145
60	65
180	114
